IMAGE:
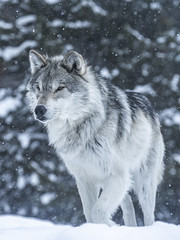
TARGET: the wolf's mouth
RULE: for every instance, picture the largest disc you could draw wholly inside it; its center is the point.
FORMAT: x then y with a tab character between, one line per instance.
41	119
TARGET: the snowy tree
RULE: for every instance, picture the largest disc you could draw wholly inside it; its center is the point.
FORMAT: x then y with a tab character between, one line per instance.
135	44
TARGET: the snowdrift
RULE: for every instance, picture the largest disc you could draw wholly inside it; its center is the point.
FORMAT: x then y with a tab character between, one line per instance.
20	228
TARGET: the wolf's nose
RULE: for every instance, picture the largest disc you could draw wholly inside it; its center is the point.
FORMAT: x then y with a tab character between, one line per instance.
40	110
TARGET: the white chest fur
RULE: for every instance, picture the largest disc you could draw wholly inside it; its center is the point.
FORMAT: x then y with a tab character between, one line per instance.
82	152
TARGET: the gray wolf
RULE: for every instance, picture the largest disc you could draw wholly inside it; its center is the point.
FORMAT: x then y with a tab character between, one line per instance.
109	139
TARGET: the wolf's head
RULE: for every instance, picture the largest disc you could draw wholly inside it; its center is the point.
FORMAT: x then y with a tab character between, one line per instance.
60	87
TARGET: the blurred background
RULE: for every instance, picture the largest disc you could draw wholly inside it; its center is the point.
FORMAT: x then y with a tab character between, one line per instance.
135	44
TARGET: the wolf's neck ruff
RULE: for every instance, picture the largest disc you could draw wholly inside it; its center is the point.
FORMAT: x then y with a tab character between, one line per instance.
70	135
109	139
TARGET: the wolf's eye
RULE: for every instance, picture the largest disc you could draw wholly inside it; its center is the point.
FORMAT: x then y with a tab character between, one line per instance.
59	88
37	88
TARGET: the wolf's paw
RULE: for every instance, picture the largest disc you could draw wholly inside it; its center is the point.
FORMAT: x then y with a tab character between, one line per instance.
99	215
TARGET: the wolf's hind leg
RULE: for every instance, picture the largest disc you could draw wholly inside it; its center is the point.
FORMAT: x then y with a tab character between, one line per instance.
147	180
147	198
128	211
145	189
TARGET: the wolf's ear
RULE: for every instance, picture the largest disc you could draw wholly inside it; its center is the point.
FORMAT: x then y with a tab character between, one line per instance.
37	61
74	60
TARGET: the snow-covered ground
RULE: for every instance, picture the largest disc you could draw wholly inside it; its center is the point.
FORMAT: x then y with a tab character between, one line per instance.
21	228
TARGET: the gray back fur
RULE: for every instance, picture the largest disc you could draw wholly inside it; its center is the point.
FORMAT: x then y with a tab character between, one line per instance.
109	139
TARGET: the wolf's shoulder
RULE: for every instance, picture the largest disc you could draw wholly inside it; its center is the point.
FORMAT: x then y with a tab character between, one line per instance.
138	101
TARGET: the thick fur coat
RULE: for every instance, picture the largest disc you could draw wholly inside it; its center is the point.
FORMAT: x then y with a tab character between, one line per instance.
109	139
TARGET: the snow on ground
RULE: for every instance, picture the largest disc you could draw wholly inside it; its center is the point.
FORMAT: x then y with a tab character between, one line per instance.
15	227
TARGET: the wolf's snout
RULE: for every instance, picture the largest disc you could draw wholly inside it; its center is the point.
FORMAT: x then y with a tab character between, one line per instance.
40	110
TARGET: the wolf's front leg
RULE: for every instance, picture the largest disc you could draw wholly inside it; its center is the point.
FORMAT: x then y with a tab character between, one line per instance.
88	194
114	190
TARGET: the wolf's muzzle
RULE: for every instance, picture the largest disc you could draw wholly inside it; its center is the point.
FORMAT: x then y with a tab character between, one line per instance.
40	111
